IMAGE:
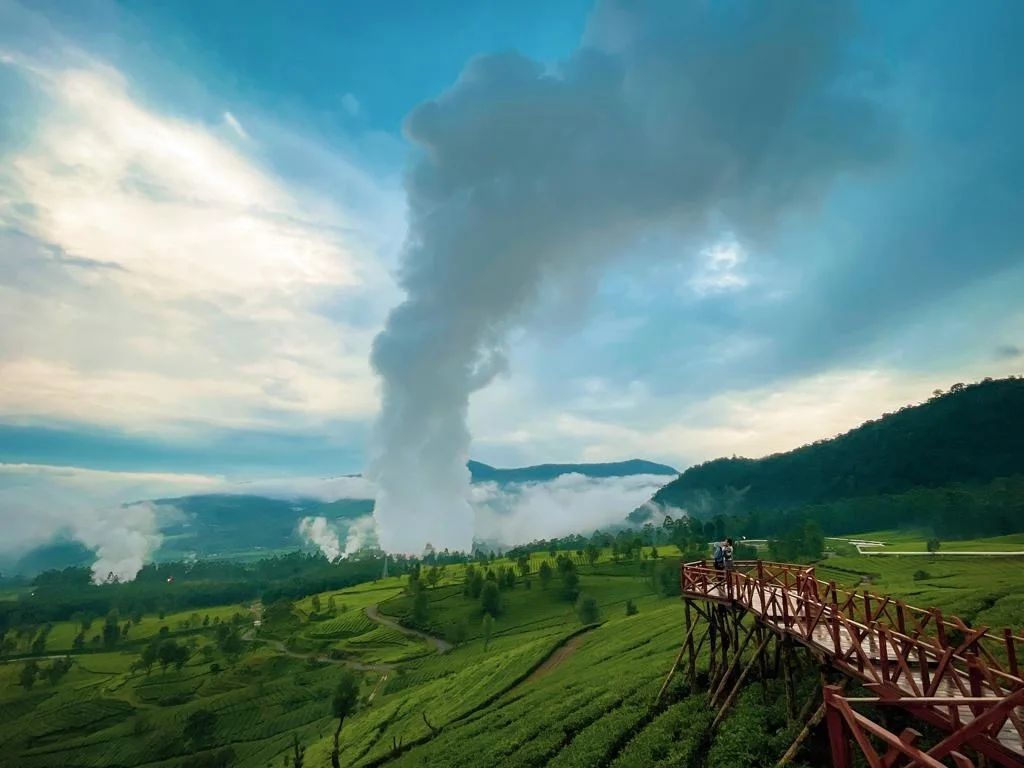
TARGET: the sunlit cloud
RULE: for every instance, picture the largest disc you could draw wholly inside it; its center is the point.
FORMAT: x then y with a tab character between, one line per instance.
719	269
166	280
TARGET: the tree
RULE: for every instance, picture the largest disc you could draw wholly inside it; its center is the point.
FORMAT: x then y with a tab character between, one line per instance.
523	563
343	704
475	585
171	653
199	728
593	554
544	574
933	545
316	603
490	599
58	669
433	576
487	626
587	609
457	632
331	604
631	609
27	678
298	756
148	657
570	579
111	630
420	607
813	541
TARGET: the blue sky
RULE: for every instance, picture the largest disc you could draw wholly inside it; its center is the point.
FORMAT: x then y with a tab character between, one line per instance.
202	211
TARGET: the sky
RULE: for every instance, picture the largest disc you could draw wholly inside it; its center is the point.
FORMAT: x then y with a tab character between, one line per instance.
204	209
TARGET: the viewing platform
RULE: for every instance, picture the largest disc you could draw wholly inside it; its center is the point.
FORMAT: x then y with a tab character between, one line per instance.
965	681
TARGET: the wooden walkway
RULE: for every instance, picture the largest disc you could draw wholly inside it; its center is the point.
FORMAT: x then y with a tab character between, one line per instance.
963	680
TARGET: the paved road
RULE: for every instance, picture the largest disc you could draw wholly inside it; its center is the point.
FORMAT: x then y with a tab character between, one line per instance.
441	645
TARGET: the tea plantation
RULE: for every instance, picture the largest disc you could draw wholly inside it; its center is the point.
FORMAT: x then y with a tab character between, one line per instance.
565	675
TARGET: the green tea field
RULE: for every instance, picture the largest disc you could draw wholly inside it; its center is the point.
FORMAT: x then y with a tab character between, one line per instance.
562	677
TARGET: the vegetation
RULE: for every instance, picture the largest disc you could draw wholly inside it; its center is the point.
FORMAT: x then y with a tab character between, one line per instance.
952	463
548	654
284	693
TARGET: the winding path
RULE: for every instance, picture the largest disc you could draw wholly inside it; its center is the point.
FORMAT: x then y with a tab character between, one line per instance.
374	615
440	645
281	648
559	656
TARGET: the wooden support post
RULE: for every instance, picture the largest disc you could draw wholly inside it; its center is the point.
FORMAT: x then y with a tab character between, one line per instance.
739	683
838	741
737	624
727	671
802	736
691	667
787	678
724	635
764	635
713	643
1011	651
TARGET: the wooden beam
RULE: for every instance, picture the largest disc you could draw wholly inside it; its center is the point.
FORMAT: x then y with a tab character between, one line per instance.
735	663
672	671
739	683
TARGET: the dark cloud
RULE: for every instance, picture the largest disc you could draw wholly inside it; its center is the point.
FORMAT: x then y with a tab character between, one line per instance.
671	114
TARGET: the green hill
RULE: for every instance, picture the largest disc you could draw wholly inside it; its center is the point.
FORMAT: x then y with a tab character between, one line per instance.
969	436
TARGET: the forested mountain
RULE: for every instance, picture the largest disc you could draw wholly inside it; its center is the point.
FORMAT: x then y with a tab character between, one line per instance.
482	473
966	437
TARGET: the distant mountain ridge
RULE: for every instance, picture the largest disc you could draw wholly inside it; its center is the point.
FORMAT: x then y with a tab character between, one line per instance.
251	525
481	472
972	434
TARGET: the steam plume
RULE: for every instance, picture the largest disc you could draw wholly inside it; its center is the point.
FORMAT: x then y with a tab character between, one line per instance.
669	114
318	531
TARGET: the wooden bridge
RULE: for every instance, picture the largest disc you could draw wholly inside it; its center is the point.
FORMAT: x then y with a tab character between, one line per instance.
964	681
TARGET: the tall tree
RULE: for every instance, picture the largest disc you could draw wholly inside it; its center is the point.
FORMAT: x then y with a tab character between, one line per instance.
490	599
544	574
343	704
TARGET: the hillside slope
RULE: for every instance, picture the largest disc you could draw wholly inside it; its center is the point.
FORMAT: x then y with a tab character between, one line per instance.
972	434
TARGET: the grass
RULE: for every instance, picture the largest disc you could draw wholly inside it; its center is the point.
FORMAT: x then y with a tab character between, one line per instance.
917	541
592	709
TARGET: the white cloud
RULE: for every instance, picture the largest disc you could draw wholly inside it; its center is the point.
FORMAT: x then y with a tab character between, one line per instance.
165	280
520	512
719	269
235	126
604	422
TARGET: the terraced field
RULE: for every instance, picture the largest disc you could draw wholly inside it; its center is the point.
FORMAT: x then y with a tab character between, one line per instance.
477	704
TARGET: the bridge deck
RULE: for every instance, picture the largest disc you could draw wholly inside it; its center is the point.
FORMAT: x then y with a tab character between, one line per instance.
954	672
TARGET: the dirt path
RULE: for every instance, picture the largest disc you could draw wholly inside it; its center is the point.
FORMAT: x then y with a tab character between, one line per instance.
439	644
559	656
281	648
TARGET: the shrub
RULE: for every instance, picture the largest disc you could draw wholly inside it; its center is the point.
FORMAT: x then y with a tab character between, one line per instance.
921	575
587	609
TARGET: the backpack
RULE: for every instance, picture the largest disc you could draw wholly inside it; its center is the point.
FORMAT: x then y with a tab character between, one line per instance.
719	555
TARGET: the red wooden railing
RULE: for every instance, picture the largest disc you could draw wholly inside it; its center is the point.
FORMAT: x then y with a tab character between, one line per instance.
898	651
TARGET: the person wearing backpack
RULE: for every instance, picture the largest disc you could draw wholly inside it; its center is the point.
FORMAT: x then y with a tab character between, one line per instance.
719	556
